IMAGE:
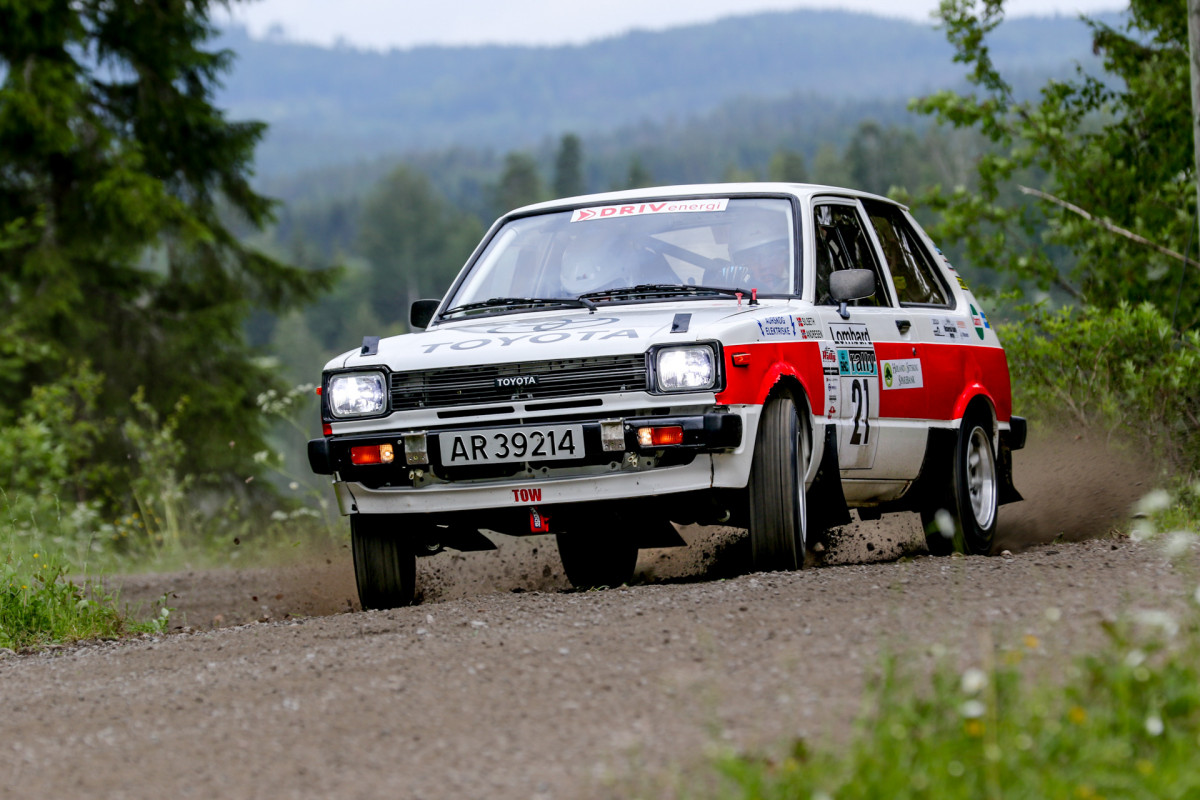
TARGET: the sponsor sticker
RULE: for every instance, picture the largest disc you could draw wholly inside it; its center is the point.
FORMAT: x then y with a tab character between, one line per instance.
777	326
809	328
857	361
904	373
977	321
829	359
943	327
961	283
961	325
832	389
849	334
641	209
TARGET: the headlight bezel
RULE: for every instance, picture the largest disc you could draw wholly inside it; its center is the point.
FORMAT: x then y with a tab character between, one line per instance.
653	361
327	393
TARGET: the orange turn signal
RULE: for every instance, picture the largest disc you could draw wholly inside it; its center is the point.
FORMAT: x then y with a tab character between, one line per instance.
654	437
372	454
740	359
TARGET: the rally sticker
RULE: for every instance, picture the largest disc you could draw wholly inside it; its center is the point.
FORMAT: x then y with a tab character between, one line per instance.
829	359
962	284
777	326
859	361
904	373
639	209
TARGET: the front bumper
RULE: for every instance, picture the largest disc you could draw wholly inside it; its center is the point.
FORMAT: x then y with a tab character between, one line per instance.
631	471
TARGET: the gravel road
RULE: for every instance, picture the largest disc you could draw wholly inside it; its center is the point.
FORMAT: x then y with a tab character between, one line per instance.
504	684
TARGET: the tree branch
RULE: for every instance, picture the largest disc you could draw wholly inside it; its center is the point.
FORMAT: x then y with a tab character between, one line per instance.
1108	226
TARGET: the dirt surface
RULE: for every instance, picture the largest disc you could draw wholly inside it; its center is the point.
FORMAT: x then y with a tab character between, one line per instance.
505	684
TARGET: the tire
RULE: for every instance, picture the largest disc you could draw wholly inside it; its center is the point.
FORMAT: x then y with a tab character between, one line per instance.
385	566
974	491
778	516
598	553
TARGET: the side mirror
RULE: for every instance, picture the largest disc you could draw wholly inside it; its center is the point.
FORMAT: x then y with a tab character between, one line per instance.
421	313
850	284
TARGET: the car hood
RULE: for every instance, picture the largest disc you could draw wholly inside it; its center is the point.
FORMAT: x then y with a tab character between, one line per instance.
548	335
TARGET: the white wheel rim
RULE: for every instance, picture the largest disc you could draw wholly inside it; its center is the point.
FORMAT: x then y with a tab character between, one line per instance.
981	478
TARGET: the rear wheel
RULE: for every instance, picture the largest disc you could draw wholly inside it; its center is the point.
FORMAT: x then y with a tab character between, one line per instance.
598	552
777	501
974	491
385	566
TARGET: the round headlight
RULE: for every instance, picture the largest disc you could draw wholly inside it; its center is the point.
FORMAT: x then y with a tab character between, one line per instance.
357	394
684	369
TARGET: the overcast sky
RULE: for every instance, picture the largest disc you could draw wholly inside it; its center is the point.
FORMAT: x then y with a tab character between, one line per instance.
383	24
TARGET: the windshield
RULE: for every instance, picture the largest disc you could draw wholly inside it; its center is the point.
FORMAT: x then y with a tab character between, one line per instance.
722	243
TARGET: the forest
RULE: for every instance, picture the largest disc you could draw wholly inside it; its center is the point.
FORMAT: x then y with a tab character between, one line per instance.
170	294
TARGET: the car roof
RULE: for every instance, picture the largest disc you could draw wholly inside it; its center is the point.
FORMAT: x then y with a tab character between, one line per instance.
800	190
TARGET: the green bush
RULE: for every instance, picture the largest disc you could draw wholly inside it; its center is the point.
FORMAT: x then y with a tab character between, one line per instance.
1123	370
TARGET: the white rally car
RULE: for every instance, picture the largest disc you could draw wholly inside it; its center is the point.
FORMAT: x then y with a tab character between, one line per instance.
758	355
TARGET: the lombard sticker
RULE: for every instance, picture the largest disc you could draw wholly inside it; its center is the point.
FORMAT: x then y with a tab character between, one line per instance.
832	396
777	326
641	209
829	359
849	334
977	321
857	361
810	328
961	326
904	373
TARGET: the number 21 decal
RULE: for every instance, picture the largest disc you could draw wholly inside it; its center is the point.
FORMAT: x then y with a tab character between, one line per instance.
860	396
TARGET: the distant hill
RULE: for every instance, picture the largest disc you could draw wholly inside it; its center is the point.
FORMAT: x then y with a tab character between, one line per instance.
338	105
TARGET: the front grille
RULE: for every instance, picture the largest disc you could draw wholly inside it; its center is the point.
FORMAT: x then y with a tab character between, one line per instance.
455	386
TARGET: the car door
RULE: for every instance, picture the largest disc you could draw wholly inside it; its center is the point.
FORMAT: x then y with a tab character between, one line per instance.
878	423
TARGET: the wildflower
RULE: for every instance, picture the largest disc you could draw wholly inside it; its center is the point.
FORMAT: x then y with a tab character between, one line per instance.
956	769
974	681
972	709
35	555
1053	614
1154	725
1135	659
974	728
1024	741
944	523
294	486
1077	715
1178	543
1145	767
1158	500
1158	619
1031	641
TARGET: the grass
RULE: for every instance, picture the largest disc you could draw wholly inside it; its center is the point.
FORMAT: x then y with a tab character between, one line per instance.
1120	722
40	605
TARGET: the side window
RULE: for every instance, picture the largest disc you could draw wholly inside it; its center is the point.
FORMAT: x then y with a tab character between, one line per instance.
842	243
913	273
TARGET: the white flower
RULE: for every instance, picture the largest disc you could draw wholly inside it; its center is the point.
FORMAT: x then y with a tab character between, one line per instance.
1158	500
261	456
944	522
974	681
1053	614
1135	659
1158	619
1154	725
294	485
1178	543
972	709
279	516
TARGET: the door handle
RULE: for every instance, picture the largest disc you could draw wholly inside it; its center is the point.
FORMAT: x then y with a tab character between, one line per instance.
903	325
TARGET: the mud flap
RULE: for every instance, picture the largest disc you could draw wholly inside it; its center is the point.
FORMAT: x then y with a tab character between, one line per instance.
1008	492
826	503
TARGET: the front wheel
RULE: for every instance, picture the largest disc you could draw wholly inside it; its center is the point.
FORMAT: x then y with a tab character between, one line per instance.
385	566
777	499
974	493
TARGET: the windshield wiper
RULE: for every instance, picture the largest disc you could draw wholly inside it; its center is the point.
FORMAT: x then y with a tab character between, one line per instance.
651	289
517	302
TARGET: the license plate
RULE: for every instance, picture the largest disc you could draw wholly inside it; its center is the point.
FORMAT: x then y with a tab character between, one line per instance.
505	445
